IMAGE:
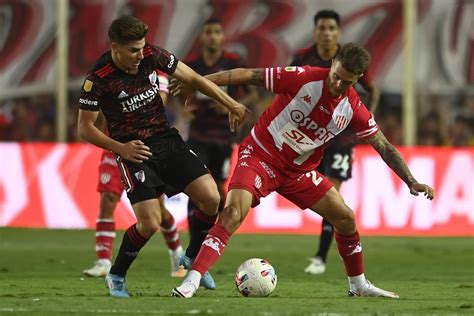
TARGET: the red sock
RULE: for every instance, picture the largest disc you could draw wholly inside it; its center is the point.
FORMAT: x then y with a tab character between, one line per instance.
170	233
104	238
350	250
212	248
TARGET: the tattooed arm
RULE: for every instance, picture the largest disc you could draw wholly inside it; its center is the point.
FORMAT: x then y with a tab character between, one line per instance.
395	161
238	76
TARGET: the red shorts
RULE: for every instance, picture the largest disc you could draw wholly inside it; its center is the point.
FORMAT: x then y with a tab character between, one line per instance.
255	172
109	174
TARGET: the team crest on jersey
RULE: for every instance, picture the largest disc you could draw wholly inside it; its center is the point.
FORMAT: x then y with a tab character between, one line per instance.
88	85
153	77
341	121
140	175
258	182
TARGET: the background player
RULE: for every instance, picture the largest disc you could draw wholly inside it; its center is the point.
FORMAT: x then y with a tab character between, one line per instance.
111	188
152	157
209	134
336	163
312	106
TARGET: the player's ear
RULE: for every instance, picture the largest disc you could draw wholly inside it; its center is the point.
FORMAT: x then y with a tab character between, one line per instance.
114	46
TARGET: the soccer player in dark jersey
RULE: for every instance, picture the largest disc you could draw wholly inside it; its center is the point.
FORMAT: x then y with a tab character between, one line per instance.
209	135
336	164
111	188
313	105
152	157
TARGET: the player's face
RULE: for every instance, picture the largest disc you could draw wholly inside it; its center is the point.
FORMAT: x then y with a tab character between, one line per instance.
326	33
129	55
339	79
212	37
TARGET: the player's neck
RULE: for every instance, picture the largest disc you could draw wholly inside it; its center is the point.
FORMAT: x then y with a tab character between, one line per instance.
211	57
327	53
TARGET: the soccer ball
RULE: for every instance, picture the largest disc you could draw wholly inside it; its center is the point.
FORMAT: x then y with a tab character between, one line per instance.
255	277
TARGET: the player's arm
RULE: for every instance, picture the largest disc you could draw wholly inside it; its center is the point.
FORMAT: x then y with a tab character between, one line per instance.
239	76
190	77
395	161
135	150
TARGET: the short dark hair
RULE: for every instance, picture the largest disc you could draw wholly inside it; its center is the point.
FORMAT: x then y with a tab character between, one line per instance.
327	14
354	58
212	20
126	29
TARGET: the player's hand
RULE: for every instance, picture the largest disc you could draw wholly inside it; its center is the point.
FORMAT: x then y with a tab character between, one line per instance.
428	191
177	87
135	151
237	115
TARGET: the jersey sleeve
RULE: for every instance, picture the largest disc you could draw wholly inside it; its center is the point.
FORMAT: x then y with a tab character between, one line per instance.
286	80
164	60
91	94
163	82
363	123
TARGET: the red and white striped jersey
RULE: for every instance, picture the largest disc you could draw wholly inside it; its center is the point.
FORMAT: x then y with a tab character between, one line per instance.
304	117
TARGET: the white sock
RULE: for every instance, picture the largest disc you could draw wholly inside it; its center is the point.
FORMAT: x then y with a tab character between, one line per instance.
175	251
194	277
357	282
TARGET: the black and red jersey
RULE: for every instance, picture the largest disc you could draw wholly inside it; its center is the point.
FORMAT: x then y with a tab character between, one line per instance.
130	102
211	124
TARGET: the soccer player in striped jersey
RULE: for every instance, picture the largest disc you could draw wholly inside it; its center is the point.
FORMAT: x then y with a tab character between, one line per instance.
111	188
336	163
151	155
313	105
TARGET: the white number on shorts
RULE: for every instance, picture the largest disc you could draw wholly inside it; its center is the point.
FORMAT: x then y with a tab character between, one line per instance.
341	162
314	177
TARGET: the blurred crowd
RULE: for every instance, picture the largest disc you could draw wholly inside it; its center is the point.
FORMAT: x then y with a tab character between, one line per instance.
443	120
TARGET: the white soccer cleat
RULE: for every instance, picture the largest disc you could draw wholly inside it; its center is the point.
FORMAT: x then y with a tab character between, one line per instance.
370	290
99	270
185	290
177	270
317	266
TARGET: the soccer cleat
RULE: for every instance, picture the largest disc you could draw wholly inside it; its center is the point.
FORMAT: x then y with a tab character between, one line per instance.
185	290
317	266
370	290
206	280
100	269
177	270
116	285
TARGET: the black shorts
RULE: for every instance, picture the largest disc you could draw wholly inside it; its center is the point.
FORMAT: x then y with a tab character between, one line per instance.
171	168
337	161
215	156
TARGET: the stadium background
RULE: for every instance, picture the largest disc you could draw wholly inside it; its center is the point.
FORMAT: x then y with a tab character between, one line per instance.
50	183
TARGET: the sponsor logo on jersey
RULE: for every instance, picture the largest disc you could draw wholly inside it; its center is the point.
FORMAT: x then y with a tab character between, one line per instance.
88	102
301	120
88	85
270	172
140	175
137	101
372	122
306	98
172	59
122	95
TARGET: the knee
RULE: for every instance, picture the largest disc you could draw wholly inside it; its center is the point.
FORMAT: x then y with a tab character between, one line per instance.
209	202
345	222
108	201
148	227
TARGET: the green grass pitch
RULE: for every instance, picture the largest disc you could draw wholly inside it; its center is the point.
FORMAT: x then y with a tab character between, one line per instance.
40	274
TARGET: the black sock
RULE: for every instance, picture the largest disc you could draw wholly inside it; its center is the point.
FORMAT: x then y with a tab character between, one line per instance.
327	235
199	225
132	242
